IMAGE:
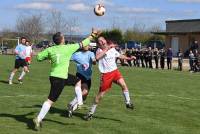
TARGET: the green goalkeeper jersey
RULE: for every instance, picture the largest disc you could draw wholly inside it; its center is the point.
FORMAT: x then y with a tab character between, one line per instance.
60	56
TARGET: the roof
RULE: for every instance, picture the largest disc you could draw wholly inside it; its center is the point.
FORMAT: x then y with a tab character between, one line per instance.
180	26
175	33
188	20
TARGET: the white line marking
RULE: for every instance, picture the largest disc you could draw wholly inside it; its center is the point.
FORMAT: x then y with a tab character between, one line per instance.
114	95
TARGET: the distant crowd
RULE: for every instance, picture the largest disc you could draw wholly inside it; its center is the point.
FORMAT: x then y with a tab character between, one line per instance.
154	58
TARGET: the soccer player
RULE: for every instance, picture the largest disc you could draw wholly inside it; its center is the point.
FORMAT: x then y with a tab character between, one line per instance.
106	55
84	60
20	52
29	52
59	55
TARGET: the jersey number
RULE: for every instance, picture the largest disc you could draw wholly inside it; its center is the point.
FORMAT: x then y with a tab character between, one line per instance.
57	58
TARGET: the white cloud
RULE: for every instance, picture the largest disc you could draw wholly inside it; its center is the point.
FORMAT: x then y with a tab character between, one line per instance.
78	7
189	12
35	6
186	1
138	10
57	1
105	2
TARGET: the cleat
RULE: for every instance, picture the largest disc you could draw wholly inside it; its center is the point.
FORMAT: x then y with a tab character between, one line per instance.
10	82
88	116
130	106
69	114
70	110
20	81
79	106
38	125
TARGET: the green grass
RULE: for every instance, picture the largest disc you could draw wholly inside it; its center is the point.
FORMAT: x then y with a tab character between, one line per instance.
167	102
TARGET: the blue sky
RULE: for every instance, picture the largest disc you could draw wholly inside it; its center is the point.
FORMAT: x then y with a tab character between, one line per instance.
121	13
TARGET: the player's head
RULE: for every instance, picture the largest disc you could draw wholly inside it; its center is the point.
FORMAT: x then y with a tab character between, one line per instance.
86	48
23	40
28	43
58	38
101	41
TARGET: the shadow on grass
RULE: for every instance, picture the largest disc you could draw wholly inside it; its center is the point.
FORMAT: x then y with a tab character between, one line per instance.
21	118
64	112
6	82
29	121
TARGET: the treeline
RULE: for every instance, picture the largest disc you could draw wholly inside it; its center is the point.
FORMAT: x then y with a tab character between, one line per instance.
121	37
38	27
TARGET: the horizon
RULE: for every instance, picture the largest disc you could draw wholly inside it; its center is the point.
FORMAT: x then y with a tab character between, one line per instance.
124	14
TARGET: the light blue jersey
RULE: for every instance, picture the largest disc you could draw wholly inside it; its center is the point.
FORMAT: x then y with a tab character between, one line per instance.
21	51
84	58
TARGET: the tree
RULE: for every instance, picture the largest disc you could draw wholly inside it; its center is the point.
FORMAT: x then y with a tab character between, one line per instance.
57	22
114	35
72	26
30	26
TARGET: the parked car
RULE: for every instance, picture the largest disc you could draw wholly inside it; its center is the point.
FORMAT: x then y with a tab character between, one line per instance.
3	49
43	44
130	45
155	43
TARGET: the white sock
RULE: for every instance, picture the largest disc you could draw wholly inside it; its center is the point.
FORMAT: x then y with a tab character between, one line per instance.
79	97
44	110
75	107
22	75
93	109
74	101
11	76
126	96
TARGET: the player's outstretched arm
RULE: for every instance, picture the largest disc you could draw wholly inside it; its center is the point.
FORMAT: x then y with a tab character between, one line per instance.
127	58
42	55
95	33
74	47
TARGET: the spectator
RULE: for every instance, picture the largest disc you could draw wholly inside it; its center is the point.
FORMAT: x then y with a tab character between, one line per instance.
146	59
137	55
191	60
128	54
142	58
150	55
156	56
195	45
169	58
162	58
180	60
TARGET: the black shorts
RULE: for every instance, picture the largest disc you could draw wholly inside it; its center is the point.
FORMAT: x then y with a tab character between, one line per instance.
57	85
20	63
84	80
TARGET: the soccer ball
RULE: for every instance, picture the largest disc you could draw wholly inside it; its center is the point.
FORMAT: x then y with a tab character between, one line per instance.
99	10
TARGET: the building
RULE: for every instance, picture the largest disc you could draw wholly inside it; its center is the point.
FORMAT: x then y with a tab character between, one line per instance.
182	34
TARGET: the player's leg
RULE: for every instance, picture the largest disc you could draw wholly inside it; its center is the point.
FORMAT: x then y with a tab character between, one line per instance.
78	92
24	71
12	74
106	83
94	106
57	85
125	91
16	67
74	103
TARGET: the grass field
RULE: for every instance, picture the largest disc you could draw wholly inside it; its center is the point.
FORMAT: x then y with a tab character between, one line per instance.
167	102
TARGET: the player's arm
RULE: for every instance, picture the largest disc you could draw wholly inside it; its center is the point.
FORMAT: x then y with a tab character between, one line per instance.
85	42
94	61
16	52
127	58
43	55
101	54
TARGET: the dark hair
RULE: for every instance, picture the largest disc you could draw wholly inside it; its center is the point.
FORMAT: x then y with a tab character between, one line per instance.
23	38
57	38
